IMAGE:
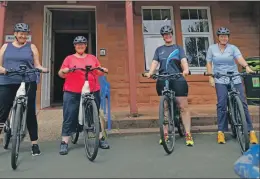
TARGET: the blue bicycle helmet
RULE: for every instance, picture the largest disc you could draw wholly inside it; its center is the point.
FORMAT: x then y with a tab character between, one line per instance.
223	31
21	27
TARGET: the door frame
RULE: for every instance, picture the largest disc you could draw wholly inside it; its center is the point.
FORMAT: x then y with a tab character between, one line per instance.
47	89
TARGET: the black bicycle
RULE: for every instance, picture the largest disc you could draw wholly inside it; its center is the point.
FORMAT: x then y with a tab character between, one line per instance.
15	126
235	111
88	120
173	117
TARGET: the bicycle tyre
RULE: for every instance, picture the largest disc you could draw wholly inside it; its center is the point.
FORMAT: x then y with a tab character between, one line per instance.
230	116
75	136
16	137
241	121
162	122
94	126
7	134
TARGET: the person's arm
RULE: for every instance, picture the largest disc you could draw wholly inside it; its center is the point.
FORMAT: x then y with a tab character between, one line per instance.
240	59
2	51
184	61
36	58
209	61
155	62
97	64
64	68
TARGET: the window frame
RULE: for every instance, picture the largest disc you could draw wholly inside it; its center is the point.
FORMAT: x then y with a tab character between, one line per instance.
156	35
199	70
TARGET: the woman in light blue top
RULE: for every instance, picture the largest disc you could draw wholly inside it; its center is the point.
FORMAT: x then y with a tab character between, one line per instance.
223	56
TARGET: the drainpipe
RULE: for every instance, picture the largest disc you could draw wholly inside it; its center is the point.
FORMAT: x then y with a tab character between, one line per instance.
3	5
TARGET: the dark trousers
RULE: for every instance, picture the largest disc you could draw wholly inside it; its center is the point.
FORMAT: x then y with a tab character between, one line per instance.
7	96
71	103
222	93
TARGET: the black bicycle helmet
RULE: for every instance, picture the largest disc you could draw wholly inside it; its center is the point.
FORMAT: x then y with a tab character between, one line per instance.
80	39
21	27
166	30
223	31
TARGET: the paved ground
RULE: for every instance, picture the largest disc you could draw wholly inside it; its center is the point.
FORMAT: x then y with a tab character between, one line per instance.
130	156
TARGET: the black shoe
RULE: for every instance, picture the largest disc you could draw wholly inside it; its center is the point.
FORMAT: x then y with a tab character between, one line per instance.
35	150
103	143
63	148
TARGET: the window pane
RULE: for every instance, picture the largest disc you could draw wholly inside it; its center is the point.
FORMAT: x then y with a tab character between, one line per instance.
184	14
190	26
156	14
166	14
204	26
147	15
202	13
191	51
193	14
203	45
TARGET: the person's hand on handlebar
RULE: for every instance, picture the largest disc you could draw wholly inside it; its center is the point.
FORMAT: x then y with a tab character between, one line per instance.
148	75
185	73
2	70
104	69
65	70
44	70
249	70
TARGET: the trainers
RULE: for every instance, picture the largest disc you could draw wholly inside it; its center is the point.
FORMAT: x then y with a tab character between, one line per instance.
64	148
189	139
103	143
253	138
35	150
221	137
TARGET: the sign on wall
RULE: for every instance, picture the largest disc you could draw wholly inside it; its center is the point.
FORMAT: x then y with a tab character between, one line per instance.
11	38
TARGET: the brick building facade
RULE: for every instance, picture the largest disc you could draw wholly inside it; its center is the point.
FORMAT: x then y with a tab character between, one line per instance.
194	24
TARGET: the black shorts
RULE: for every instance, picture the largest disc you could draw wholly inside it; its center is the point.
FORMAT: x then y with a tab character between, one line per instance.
180	87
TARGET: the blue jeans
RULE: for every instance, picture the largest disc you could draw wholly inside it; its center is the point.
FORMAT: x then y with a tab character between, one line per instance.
71	102
222	94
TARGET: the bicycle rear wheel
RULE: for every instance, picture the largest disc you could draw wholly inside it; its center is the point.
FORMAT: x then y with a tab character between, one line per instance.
16	137
91	129
166	122
241	127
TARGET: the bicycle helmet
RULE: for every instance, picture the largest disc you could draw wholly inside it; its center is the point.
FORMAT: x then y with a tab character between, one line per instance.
166	29
223	31
21	27
80	39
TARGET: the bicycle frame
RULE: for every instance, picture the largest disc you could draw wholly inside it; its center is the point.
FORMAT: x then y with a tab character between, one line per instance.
85	94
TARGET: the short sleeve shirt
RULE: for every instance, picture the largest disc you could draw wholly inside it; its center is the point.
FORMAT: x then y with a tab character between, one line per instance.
74	81
224	62
169	58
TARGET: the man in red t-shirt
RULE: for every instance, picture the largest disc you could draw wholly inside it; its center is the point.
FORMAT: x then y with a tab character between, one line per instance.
72	90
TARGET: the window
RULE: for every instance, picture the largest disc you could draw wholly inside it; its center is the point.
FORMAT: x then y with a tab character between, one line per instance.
197	35
153	19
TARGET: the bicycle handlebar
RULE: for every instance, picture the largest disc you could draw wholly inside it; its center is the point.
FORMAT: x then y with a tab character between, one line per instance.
229	74
23	71
87	69
173	75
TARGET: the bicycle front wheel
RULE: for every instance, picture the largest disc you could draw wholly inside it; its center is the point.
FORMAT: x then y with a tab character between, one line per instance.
16	137
91	129
241	127
167	127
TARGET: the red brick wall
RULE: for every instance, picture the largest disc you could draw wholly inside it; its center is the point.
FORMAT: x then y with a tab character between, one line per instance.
111	30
